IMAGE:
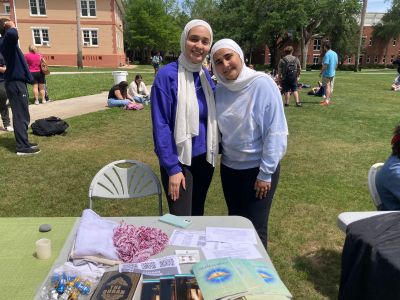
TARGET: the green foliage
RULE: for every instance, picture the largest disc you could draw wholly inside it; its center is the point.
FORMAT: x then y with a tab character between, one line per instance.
389	27
152	25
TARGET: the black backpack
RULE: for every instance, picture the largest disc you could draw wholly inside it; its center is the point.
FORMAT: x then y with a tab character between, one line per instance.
290	69
49	126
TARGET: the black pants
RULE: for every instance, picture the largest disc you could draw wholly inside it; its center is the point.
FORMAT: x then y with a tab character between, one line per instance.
5	116
198	179
18	95
240	197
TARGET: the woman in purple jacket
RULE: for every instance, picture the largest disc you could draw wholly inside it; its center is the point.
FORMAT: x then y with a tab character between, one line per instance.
184	123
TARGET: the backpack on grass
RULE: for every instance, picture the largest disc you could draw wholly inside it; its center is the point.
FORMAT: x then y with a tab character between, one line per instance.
290	69
49	126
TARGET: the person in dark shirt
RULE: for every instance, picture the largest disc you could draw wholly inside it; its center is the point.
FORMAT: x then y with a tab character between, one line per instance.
5	116
397	62
118	95
388	177
16	77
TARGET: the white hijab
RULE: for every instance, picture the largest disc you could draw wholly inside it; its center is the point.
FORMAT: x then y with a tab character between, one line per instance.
246	76
187	110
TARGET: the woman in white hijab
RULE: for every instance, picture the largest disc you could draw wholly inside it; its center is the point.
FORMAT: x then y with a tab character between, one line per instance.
254	132
184	124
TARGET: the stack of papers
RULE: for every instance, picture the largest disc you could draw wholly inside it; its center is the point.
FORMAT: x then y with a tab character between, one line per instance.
219	242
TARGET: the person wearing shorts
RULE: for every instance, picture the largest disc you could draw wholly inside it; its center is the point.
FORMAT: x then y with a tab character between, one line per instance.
328	72
289	85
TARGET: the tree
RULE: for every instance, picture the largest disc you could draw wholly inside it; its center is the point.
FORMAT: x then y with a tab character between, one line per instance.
342	30
389	26
364	10
151	25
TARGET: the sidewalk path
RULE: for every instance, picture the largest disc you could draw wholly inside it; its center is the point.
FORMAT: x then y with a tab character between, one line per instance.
67	108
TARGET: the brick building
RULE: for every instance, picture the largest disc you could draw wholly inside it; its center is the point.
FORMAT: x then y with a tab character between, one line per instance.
51	25
372	51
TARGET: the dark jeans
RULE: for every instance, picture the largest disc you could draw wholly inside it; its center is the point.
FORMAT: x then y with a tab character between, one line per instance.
240	197
198	179
5	116
18	95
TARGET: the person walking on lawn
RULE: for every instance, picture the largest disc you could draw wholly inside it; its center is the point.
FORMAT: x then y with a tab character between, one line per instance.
328	72
289	69
16	77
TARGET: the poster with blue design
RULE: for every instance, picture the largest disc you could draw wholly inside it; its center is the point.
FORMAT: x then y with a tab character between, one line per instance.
219	279
229	278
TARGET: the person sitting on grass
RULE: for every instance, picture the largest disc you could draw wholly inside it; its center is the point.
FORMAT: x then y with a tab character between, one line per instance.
118	95
396	84
318	91
138	90
388	177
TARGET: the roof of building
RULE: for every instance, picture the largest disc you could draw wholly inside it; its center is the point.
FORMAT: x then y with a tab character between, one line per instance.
371	18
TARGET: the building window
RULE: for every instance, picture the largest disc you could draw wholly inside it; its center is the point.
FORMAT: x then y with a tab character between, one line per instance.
360	59
376	59
384	59
317	45
392	58
370	41
315	60
349	59
368	59
7	8
90	37
363	39
40	36
37	7
88	8
394	42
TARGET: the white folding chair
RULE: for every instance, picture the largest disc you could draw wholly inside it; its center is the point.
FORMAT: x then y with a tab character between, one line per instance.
372	186
125	179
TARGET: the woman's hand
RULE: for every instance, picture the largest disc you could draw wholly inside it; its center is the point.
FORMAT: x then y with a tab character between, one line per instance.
262	188
175	182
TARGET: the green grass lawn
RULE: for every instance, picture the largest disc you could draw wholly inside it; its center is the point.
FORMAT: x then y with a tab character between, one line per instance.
75	85
324	172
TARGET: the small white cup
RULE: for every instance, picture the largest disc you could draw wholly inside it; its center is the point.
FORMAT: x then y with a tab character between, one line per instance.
43	248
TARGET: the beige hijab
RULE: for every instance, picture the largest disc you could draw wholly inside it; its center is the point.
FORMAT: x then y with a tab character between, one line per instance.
187	111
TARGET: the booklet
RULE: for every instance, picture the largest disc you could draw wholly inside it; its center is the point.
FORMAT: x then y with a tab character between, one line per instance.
230	278
219	279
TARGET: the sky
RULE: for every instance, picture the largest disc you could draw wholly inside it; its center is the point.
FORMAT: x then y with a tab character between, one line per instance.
378	5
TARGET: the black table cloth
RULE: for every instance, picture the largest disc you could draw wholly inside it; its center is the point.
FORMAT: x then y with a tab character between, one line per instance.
371	259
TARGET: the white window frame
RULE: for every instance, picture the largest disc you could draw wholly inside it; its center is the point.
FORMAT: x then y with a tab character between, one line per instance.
376	59
38	9
317	45
392	58
349	59
42	41
363	40
384	59
368	59
90	43
88	8
370	41
7	7
315	59
394	42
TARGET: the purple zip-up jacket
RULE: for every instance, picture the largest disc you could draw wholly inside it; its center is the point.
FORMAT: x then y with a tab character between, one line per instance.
163	111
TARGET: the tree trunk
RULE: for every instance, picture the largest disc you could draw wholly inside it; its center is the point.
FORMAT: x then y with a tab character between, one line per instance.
364	9
303	51
79	60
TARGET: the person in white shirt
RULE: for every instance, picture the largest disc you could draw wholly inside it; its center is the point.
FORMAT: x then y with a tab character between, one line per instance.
254	131
138	90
